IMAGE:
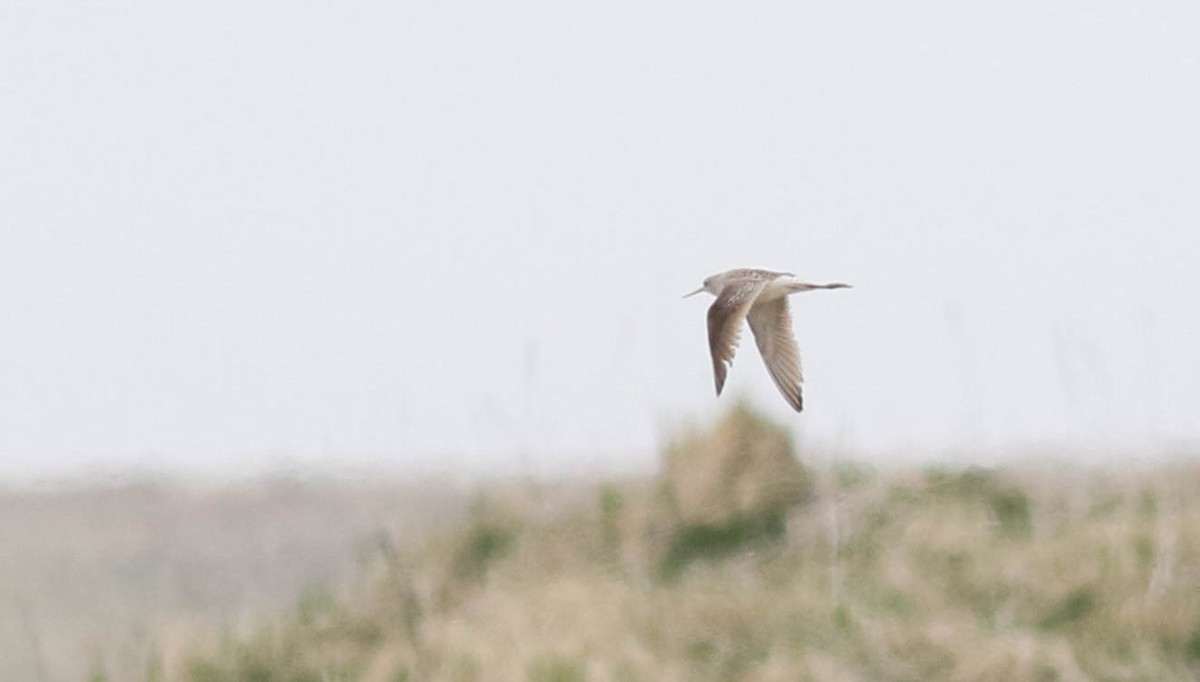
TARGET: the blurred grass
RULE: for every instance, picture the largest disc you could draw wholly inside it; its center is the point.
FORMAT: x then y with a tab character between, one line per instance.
847	574
114	578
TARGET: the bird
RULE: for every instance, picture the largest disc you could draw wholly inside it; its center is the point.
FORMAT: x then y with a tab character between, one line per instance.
760	297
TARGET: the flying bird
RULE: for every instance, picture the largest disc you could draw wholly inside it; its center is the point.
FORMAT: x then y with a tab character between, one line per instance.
760	297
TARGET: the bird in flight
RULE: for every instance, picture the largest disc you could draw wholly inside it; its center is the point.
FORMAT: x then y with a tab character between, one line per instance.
760	297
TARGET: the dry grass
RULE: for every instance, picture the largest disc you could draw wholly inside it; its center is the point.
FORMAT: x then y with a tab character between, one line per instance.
1051	574
118	578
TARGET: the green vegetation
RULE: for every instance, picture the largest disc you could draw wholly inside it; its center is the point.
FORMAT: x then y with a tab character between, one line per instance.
737	563
483	545
770	571
713	541
1076	606
556	669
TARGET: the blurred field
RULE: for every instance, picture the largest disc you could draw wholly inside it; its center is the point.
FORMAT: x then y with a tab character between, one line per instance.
735	563
113	576
738	564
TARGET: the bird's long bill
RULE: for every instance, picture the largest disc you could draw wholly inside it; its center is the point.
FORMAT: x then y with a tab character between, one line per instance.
694	292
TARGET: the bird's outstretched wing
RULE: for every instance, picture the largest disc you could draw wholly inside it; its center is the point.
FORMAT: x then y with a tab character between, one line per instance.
725	317
771	323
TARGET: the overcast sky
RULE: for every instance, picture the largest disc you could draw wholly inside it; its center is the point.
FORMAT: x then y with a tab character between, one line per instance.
453	235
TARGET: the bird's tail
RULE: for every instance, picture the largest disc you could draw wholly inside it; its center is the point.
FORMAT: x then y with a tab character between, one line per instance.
797	287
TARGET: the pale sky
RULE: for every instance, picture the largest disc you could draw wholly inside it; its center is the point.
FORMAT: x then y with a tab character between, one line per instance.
454	236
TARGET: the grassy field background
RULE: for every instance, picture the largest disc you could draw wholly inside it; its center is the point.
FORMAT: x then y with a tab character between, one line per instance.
734	563
115	576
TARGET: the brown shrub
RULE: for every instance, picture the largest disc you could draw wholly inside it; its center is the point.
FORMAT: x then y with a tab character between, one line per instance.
743	468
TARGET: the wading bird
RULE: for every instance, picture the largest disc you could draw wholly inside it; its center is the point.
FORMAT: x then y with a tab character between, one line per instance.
760	297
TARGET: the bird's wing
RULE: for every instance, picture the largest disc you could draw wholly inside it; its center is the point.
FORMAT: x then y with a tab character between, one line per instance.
725	317
771	323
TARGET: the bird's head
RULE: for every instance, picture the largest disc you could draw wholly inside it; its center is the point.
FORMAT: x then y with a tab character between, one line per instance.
711	284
